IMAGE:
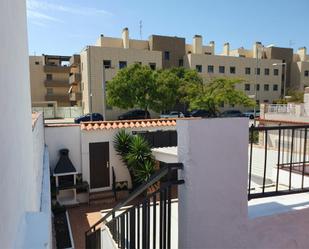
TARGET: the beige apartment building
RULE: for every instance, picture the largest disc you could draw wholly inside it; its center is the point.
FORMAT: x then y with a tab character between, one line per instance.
267	71
50	80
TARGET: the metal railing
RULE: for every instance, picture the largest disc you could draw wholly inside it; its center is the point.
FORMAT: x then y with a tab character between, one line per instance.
137	226
278	160
281	108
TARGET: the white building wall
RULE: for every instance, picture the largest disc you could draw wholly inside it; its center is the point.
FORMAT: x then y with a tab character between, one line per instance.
213	206
16	149
61	137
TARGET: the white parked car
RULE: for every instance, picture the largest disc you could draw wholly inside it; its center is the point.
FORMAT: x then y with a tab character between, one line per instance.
173	114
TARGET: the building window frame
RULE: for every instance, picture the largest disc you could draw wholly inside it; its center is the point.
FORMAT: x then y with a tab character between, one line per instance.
210	68
123	64
276	71
232	70
247	70
266	87
247	87
167	55
199	68
107	64
266	71
275	87
221	69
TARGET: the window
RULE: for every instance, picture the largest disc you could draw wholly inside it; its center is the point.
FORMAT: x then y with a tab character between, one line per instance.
152	66
166	55
107	64
138	62
199	68
210	69
257	102
276	71
221	69
208	53
180	63
275	87
49	91
266	71
122	64
232	70
306	73
247	87
266	87
82	66
258	87
247	70
37	63
258	71
266	100
49	76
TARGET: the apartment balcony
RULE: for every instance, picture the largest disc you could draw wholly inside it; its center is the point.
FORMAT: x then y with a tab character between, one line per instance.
75	78
56	83
56	69
57	97
75	60
75	96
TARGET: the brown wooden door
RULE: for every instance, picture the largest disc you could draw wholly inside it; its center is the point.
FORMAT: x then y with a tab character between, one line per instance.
99	165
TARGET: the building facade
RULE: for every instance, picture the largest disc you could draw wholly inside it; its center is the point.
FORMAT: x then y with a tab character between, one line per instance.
267	72
49	79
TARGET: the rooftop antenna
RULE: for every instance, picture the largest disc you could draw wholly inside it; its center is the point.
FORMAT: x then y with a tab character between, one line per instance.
291	43
140	29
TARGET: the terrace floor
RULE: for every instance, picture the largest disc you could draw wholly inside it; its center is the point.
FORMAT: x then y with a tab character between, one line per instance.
82	218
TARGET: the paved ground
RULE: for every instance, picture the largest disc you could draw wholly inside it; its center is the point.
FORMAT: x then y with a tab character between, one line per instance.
82	218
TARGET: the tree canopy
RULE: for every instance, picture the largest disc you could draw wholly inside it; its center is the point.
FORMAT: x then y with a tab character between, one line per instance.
139	86
133	86
219	90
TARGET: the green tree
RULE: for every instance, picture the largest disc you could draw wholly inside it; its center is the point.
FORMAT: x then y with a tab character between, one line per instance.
220	90
133	86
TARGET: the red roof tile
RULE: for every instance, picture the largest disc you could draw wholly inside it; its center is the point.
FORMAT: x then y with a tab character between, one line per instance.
119	124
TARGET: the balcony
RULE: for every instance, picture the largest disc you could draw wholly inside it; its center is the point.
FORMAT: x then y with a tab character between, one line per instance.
75	96
75	78
75	60
57	97
56	69
56	83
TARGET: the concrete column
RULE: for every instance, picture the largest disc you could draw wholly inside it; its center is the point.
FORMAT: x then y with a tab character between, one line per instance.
257	50
226	49
125	38
197	44
302	52
213	200
213	46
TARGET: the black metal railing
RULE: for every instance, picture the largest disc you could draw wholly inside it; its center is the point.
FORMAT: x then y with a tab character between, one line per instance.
278	160
145	222
114	183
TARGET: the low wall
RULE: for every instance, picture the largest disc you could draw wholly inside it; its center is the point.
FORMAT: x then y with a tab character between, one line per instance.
59	112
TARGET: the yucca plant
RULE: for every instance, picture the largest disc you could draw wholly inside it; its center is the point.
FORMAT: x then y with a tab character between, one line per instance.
136	154
139	152
122	143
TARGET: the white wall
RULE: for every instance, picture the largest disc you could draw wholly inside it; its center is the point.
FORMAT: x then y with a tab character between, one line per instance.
212	202
16	151
121	171
60	137
213	207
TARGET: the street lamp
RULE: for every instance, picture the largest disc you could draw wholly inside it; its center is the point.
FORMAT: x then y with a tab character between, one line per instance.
285	69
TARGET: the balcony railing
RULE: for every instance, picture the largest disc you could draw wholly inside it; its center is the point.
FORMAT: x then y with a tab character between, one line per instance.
56	69
278	160
75	78
75	96
75	60
283	109
57	97
56	83
137	226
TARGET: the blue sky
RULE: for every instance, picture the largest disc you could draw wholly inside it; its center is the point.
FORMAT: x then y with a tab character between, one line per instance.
66	26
